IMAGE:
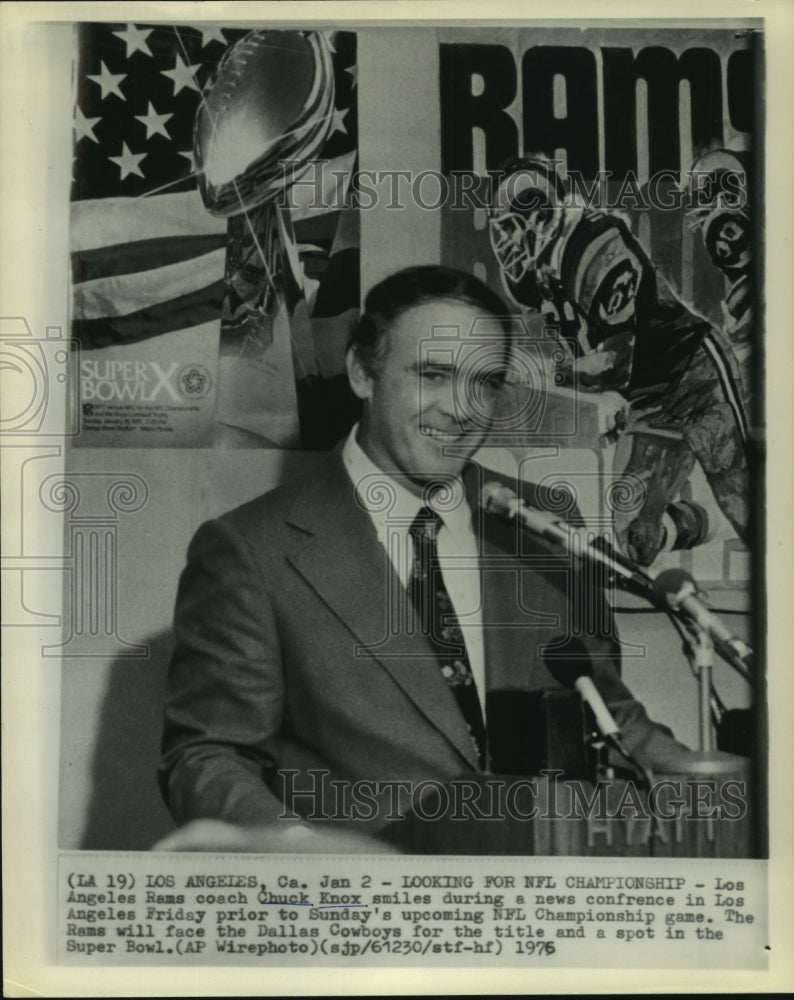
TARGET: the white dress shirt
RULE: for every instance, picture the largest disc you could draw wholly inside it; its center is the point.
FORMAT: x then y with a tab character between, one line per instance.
456	540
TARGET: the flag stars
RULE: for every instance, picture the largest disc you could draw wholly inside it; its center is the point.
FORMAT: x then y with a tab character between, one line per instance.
182	76
155	124
84	127
190	157
210	35
337	123
109	82
353	71
128	162
135	39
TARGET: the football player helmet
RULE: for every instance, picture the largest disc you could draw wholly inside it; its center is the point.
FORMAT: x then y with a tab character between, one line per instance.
525	217
718	199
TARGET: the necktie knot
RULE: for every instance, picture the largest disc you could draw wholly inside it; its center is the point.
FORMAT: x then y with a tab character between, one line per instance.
426	524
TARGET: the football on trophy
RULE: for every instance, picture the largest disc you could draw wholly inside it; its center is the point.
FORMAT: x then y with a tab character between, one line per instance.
263	117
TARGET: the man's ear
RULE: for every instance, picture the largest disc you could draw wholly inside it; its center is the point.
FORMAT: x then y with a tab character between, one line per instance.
361	381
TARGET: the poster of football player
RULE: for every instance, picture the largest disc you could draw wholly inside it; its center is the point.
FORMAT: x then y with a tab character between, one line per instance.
623	329
212	292
618	223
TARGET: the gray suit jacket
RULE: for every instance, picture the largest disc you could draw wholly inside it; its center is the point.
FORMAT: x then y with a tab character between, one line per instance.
285	658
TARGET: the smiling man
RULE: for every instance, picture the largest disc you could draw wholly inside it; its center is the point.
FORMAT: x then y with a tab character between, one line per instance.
339	640
428	359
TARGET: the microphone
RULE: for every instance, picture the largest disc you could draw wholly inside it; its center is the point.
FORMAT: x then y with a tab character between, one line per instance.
500	500
573	668
677	590
570	670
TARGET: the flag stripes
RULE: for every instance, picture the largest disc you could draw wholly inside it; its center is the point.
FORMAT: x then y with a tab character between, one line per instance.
148	259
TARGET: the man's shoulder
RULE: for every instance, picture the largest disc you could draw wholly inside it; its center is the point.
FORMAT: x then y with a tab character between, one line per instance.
269	511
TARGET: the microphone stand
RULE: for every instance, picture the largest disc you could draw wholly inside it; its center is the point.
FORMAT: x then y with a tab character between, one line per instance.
627	575
700	651
624	573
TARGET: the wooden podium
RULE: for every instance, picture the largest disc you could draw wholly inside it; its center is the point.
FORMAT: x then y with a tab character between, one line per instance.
703	813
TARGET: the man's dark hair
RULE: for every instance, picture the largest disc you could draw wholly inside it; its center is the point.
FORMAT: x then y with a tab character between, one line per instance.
413	286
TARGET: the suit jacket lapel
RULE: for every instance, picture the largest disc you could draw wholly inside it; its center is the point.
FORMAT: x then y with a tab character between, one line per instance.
342	559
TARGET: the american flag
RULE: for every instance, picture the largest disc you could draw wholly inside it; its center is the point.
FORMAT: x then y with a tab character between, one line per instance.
147	258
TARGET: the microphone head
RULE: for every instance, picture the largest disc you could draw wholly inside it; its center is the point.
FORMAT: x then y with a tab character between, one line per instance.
671	586
495	498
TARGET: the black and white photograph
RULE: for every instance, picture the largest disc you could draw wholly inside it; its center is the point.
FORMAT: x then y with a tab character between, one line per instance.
394	461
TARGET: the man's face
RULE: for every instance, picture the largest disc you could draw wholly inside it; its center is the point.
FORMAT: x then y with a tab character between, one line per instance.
431	403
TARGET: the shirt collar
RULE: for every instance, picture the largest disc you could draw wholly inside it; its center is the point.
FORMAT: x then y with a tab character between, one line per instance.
384	497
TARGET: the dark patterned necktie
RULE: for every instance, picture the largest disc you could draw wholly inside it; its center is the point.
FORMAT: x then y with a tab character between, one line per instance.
439	624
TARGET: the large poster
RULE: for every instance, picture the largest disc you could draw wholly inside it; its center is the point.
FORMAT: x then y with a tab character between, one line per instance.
607	183
214	248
